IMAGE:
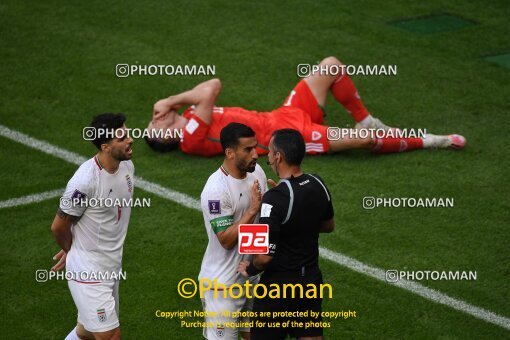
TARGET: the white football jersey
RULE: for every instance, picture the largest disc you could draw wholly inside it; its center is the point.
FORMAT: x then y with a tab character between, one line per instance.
98	235
224	200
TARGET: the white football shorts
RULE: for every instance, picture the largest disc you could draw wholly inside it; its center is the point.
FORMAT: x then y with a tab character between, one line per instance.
97	304
220	305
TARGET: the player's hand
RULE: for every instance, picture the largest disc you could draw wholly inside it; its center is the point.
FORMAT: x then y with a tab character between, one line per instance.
272	183
61	257
256	197
241	268
160	109
163	107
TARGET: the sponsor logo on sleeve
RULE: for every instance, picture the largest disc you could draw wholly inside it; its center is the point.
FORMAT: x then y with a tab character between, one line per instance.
214	207
221	223
265	211
272	248
191	126
316	135
78	195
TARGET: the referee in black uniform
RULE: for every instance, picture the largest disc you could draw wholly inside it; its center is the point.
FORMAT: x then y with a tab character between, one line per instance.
296	210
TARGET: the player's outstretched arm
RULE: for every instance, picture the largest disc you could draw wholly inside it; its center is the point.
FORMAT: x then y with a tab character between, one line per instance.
203	96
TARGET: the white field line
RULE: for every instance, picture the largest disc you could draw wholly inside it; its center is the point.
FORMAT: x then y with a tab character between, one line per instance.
416	288
343	260
14	202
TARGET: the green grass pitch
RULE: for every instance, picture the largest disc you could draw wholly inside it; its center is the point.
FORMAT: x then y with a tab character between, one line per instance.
58	70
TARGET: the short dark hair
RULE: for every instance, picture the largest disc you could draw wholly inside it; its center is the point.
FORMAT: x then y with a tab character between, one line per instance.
230	134
105	126
290	144
159	146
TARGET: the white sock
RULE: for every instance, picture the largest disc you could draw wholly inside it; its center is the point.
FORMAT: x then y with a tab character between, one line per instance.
427	141
73	335
366	122
435	141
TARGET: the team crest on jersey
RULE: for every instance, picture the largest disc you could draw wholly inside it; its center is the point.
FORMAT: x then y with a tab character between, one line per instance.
101	315
129	183
214	207
220	330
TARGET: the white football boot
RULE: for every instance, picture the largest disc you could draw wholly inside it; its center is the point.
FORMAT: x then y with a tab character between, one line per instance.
455	142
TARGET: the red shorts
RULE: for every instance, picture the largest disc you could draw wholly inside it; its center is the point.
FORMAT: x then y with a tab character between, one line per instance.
314	133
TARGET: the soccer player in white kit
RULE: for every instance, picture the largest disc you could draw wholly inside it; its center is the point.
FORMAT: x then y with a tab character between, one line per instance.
231	196
92	238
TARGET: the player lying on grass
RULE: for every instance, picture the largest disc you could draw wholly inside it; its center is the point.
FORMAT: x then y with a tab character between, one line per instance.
202	121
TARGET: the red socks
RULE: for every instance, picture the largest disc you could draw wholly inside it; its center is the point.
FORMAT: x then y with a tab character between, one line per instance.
390	145
345	92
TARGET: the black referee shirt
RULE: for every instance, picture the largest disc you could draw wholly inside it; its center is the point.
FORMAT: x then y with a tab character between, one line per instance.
294	234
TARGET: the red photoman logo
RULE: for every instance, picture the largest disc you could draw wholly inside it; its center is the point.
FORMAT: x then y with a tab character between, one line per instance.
253	239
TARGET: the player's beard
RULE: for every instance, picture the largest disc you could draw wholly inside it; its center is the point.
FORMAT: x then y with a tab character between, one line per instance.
249	167
122	154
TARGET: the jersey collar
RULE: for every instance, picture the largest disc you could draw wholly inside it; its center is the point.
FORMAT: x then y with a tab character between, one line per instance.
225	172
98	162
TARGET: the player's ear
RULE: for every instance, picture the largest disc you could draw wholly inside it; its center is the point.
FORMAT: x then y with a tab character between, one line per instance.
105	147
229	153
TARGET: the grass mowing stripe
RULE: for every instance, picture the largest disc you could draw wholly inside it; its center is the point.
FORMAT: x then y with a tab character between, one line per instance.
43	146
416	288
74	158
169	194
42	196
338	258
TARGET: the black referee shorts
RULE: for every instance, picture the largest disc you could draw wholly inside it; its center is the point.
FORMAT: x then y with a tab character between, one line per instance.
270	331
